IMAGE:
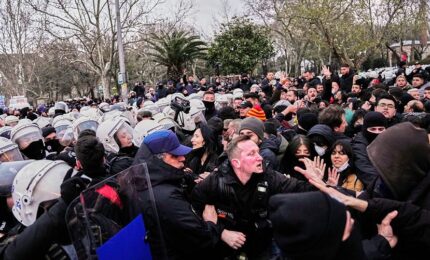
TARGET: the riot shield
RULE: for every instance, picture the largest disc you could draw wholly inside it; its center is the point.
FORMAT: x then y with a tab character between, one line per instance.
103	210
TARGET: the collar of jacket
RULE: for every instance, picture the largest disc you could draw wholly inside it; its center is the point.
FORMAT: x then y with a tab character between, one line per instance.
161	172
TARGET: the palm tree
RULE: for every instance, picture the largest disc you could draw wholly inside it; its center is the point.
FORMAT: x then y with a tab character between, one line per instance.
175	50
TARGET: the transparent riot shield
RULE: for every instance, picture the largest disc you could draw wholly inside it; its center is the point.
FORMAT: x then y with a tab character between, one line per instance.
107	208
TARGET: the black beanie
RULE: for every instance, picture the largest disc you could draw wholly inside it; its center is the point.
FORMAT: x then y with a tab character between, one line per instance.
307	120
307	225
47	131
270	128
372	119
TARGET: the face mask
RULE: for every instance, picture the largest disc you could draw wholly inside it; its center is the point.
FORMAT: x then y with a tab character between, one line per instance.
190	81
209	105
320	150
54	146
343	167
244	81
369	136
35	150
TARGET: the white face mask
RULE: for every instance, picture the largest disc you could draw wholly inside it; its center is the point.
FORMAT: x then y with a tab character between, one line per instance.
343	167
320	150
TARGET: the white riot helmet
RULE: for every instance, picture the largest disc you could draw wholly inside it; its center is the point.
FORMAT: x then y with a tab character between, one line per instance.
108	132
64	130
34	184
144	128
61	118
198	104
151	107
162	103
168	123
60	105
42	121
104	107
9	151
51	111
11	121
74	115
92	112
191	119
82	124
24	134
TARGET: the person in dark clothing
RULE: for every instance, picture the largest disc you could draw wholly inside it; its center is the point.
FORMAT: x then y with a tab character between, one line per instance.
267	85
373	124
244	83
209	102
204	158
125	156
139	89
346	79
310	78
239	189
184	234
161	91
299	147
322	228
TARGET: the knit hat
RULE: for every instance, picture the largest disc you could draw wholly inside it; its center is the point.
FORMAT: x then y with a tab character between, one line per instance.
307	120
372	119
307	225
253	124
257	112
47	131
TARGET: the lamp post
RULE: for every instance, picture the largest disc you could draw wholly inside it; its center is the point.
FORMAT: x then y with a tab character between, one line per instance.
122	76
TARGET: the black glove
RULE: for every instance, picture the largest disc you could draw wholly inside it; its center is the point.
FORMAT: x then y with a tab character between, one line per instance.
71	188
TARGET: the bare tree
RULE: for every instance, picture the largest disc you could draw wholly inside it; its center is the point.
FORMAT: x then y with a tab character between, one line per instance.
91	25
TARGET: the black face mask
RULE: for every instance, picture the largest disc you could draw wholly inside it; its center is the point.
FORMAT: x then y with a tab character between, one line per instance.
190	81
54	146
35	150
244	81
209	105
369	136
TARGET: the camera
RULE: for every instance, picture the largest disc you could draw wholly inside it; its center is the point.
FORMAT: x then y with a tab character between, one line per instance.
179	104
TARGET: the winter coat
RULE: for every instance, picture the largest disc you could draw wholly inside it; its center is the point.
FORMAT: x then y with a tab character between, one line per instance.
186	235
365	171
269	149
239	206
195	164
346	82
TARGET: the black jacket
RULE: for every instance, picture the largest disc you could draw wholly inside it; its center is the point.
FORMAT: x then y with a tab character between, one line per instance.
122	160
346	82
269	148
35	241
365	170
186	235
243	207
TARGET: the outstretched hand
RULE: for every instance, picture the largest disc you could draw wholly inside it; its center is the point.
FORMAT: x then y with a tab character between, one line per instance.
385	229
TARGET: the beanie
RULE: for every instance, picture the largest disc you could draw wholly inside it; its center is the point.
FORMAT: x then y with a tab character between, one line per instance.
257	112
47	131
307	225
372	119
253	124
307	120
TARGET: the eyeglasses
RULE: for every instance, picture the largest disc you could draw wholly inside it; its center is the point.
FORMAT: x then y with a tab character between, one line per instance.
383	105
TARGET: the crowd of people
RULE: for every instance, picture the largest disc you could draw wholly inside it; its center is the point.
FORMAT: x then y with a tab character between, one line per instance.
332	166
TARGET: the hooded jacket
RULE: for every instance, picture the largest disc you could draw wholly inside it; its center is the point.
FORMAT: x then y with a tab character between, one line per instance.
365	170
269	148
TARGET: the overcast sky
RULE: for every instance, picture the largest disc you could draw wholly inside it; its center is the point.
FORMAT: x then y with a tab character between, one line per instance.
207	12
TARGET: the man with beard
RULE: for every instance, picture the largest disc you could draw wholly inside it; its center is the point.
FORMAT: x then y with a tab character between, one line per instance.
209	102
239	189
374	123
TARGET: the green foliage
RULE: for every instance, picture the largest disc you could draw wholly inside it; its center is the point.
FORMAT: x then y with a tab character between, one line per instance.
239	46
175	50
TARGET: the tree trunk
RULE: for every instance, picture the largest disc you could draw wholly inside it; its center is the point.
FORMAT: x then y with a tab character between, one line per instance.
106	86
